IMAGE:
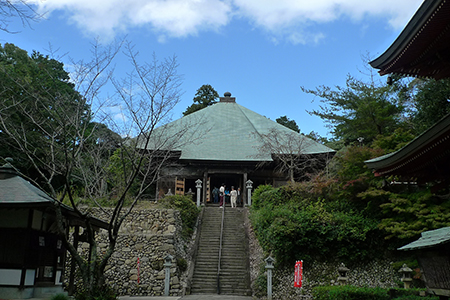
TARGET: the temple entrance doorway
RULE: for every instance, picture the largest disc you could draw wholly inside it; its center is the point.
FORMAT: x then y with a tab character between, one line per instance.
235	180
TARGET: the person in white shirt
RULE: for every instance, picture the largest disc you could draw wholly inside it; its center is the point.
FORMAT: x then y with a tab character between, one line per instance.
233	197
221	194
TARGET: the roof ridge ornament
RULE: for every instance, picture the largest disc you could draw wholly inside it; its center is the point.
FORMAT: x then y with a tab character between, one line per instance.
8	167
8	164
227	98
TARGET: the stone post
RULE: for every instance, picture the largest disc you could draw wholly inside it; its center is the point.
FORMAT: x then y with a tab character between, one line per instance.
249	187
269	267
198	185
167	265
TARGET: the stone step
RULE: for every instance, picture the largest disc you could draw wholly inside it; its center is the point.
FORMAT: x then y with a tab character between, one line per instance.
234	277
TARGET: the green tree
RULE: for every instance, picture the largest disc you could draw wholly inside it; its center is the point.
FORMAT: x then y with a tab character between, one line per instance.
432	102
289	151
50	119
359	110
291	124
393	142
205	96
36	98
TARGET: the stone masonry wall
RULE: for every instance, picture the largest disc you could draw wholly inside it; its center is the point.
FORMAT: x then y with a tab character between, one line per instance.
146	237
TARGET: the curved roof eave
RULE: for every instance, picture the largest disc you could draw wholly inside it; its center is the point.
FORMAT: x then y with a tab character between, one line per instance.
415	147
22	194
407	37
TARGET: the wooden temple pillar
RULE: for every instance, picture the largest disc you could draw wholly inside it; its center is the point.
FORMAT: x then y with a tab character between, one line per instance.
205	187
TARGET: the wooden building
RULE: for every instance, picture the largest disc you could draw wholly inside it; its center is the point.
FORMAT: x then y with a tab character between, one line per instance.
423	50
229	144
432	251
32	255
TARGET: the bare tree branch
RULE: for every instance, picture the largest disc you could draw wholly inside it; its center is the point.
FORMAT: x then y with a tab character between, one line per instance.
290	151
20	9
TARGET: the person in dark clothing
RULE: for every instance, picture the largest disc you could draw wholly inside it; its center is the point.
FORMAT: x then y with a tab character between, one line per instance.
215	193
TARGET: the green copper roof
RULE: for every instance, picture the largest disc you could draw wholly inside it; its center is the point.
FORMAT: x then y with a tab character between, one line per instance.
226	131
429	239
16	190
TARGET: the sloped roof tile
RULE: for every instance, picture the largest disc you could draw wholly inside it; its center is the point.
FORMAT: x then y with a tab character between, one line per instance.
225	131
429	239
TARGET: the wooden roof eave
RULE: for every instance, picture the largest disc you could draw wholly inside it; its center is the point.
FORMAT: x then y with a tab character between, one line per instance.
392	163
73	218
413	43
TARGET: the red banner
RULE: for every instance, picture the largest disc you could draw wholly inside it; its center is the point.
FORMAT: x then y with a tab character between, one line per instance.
138	270
298	279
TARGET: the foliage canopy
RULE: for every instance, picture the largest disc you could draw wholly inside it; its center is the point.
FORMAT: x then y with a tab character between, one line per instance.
205	96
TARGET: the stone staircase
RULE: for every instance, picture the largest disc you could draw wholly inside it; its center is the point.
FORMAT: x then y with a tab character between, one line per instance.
235	275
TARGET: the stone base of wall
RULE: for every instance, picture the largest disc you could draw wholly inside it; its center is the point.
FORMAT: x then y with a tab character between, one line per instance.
374	274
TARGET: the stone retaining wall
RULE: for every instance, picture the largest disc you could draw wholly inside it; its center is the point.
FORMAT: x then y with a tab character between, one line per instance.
152	234
377	273
146	237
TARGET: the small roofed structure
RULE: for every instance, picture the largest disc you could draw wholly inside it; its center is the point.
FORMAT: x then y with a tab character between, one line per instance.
32	255
433	249
226	143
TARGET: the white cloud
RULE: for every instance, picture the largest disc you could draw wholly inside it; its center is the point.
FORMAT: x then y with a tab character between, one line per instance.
174	18
292	20
280	16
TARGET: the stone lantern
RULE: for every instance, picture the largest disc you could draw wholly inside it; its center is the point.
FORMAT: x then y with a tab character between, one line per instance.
198	185
190	193
249	186
406	276
167	264
343	277
269	267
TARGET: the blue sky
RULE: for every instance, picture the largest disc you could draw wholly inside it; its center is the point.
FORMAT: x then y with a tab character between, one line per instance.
262	51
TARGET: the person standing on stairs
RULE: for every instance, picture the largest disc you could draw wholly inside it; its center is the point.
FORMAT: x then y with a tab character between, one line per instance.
221	194
239	199
233	197
215	193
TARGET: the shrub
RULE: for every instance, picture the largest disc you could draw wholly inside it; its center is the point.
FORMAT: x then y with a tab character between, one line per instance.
348	292
409	294
263	195
60	297
182	264
416	297
291	231
105	293
188	211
